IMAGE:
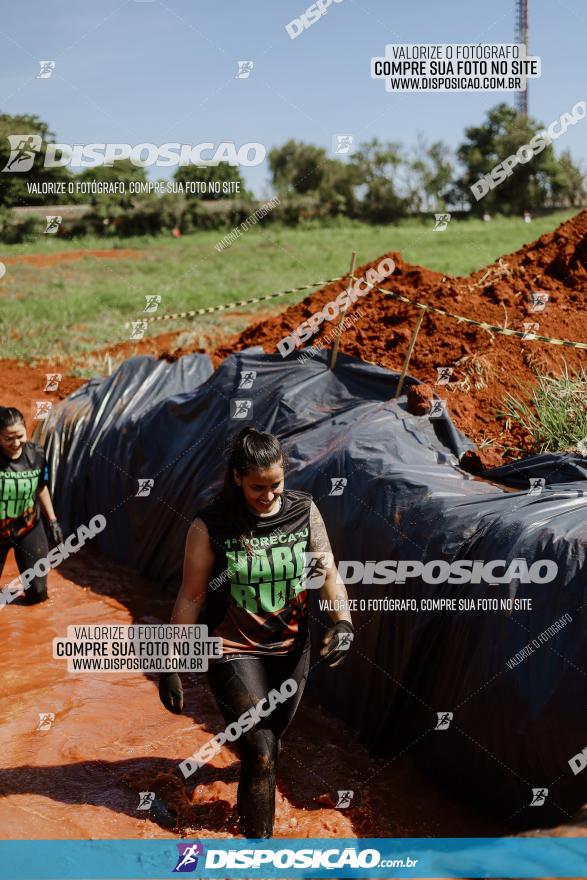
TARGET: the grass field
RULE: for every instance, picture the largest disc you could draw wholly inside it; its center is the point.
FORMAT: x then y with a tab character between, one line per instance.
68	308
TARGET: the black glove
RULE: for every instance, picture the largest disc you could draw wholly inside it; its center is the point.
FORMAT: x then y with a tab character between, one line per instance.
56	533
171	692
337	642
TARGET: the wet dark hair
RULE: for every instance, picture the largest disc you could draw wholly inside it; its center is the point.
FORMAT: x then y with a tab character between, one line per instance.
9	416
250	450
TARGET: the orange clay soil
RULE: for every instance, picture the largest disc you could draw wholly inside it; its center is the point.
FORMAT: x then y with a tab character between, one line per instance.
22	384
111	738
43	260
485	365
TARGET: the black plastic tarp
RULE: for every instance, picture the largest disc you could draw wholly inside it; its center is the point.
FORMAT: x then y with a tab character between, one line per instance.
405	498
90	437
560	468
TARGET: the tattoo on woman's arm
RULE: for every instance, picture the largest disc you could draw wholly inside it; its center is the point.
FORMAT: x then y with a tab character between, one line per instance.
319	543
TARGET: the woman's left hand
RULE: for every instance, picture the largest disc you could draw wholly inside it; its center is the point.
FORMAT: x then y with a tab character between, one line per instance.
337	642
56	533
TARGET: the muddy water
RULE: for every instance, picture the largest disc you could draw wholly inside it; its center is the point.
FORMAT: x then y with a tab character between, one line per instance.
111	738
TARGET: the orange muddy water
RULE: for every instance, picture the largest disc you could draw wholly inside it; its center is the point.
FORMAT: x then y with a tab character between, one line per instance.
111	738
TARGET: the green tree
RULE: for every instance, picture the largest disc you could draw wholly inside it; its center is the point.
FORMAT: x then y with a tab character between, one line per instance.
217	174
297	167
338	187
377	165
14	189
531	185
429	176
568	185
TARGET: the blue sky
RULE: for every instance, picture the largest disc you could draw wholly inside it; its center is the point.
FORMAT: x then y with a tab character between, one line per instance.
164	71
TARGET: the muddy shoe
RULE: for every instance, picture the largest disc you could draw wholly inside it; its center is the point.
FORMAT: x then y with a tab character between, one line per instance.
33	597
159	812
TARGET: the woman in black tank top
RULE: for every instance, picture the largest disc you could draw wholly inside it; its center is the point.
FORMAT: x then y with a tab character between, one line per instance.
24	495
251	556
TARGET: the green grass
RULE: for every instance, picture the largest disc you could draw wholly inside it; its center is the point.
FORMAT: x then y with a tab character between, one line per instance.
70	308
553	412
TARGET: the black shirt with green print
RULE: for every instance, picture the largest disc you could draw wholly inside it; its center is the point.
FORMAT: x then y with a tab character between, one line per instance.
257	597
21	479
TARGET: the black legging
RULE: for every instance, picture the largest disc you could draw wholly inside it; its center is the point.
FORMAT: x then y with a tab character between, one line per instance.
239	684
28	549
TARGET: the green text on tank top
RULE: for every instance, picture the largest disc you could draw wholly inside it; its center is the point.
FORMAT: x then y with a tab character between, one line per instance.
271	578
18	493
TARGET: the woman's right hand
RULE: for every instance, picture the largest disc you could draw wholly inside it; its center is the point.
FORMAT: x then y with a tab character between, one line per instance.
197	570
171	692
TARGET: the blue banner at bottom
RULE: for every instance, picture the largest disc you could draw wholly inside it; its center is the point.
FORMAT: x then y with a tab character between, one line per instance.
311	858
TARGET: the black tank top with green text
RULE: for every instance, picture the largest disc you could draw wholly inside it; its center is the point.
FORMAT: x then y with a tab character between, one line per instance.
256	601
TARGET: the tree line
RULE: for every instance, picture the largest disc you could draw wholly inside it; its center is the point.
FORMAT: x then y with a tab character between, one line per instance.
375	181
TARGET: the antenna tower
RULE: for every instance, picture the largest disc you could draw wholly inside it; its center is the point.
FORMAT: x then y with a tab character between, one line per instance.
521	36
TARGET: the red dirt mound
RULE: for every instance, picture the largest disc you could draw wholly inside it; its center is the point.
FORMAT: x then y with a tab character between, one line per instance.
485	365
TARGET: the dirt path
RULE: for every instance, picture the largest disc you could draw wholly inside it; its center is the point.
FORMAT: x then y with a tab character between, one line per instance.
43	260
111	738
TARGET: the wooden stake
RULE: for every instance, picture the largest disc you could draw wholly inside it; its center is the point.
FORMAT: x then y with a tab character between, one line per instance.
334	354
400	384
